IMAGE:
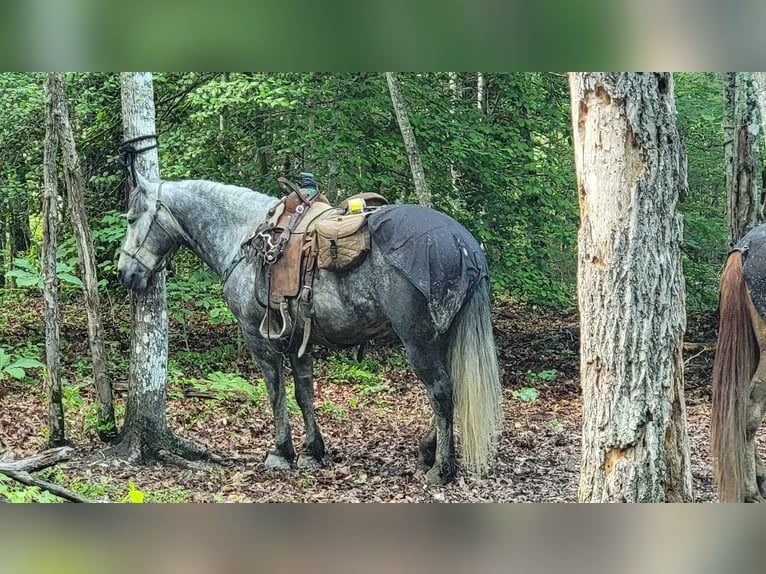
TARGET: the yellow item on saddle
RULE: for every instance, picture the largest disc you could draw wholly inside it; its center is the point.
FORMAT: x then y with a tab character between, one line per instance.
356	205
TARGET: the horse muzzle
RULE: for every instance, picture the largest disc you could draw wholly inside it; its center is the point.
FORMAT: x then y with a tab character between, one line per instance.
131	279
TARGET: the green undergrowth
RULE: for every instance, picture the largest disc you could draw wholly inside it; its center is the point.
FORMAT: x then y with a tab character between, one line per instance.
96	488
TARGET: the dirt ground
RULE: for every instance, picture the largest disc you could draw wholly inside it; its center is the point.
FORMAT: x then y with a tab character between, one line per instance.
372	438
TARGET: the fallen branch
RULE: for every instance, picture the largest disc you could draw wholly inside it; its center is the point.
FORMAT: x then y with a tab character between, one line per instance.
694	347
40	460
19	470
29	480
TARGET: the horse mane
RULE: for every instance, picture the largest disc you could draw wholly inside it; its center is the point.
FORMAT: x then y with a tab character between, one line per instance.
215	188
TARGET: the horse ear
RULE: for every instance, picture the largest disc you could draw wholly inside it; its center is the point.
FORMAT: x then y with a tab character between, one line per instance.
146	187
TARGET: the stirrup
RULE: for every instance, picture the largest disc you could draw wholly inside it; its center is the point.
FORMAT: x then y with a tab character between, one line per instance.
270	328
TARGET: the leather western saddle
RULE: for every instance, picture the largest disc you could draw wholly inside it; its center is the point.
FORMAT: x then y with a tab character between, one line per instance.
286	246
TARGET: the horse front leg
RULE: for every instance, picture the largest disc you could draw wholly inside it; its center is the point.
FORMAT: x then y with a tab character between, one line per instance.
312	454
271	366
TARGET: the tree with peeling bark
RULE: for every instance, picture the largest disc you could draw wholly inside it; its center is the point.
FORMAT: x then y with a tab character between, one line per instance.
145	434
740	147
410	144
50	280
631	172
73	176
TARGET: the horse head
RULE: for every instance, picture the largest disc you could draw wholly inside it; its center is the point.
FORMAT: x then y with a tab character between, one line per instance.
150	238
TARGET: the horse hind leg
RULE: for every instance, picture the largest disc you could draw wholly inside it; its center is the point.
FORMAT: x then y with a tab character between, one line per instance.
755	475
313	451
427	448
755	471
760	473
430	366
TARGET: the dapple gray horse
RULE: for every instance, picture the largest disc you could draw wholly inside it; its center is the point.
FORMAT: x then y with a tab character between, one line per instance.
456	361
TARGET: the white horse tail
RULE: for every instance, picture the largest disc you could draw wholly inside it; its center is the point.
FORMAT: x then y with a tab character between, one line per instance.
476	377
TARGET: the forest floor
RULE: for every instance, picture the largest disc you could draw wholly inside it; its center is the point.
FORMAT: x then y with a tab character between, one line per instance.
372	415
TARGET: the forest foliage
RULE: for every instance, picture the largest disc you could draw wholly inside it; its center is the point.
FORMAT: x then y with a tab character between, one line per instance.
501	164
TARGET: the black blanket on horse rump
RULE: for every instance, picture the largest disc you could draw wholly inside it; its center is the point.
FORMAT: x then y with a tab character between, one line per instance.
753	248
437	254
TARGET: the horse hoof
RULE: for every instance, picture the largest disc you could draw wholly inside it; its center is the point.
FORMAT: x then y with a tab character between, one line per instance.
308	461
434	476
425	464
278	462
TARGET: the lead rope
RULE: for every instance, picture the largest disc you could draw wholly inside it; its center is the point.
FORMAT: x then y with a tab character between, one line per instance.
128	153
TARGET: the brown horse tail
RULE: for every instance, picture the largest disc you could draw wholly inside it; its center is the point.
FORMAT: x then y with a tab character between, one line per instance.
736	358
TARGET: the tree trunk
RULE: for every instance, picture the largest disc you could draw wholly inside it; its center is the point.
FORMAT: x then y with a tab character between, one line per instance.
480	83
418	175
727	121
50	281
145	434
631	168
454	99
73	176
742	191
145	419
332	183
18	224
3	264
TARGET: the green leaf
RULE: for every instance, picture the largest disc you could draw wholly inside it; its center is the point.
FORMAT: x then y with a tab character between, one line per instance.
29	281
15	372
24	264
527	394
26	363
66	277
134	495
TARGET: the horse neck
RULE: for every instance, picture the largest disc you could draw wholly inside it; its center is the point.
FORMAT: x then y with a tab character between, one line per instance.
214	218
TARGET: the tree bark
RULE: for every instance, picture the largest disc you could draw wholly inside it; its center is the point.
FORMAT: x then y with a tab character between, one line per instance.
760	85
18	223
454	99
727	123
418	175
145	420
631	168
73	176
145	434
50	281
480	84
742	191
3	263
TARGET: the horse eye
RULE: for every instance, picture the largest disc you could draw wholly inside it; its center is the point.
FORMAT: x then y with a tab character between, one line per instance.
131	219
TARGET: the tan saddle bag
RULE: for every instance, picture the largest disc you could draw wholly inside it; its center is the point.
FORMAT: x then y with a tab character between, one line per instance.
342	241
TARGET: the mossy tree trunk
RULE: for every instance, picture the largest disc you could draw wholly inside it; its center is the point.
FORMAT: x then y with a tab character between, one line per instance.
741	161
50	281
76	202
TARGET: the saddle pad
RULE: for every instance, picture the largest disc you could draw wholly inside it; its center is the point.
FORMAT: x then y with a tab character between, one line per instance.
434	252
